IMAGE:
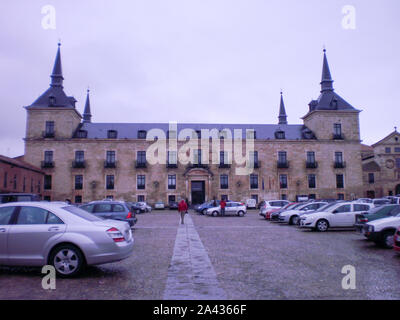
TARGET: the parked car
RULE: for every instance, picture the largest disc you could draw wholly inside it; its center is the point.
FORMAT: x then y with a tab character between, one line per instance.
292	216
388	210
35	234
274	216
268	213
173	205
144	206
272	204
366	200
115	210
380	202
202	209
18	197
136	208
232	208
334	215
159	205
251	204
396	244
382	231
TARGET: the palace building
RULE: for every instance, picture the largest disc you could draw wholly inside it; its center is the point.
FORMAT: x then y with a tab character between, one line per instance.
85	160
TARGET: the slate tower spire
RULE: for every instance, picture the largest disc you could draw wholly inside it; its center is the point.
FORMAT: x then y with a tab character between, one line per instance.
282	112
87	115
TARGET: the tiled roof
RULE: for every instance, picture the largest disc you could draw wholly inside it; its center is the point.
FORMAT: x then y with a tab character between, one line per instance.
130	130
20	163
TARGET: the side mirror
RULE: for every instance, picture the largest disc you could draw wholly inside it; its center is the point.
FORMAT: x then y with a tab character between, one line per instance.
335	211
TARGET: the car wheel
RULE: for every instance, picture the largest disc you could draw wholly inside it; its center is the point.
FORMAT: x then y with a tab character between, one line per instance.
388	239
215	213
322	225
294	220
204	212
68	260
240	213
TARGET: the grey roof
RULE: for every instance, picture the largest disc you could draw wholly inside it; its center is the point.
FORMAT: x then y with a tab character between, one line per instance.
329	99
55	91
130	130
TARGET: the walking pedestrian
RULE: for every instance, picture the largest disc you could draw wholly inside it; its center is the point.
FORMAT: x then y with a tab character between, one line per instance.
182	208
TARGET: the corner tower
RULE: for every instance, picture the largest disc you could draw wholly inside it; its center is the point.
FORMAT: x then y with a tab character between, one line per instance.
53	114
330	117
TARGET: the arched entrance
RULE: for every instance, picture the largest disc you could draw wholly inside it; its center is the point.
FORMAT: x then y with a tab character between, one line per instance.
198	185
398	189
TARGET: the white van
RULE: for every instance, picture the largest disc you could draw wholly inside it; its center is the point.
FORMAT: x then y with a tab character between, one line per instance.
251	204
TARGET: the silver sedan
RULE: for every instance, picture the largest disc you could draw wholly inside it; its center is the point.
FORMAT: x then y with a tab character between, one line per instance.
58	234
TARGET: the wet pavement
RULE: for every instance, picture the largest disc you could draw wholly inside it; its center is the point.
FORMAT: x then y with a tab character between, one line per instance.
228	257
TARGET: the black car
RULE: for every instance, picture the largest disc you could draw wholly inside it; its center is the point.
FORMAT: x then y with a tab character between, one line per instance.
18	197
115	210
173	205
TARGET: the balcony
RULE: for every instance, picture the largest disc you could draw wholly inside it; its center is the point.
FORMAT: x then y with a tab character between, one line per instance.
47	164
140	164
312	165
78	164
172	165
110	164
253	185
224	165
48	135
336	136
283	164
339	165
172	187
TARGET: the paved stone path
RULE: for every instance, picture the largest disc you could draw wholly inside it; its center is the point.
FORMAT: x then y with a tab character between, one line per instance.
191	275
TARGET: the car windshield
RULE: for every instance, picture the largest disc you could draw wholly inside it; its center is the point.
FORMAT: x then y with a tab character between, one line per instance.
82	213
375	210
327	206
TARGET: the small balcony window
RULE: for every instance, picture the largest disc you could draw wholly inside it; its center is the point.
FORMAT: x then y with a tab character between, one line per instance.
142	134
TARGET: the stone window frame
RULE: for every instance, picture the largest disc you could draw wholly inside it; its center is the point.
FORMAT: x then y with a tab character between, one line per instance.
108	182
175	179
142	179
79	185
343	181
224	186
251	181
47	182
309	181
280	182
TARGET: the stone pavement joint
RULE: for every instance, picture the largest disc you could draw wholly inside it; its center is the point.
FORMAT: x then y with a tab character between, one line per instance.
191	276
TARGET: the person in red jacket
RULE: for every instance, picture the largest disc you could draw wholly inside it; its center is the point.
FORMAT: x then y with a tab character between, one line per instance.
223	205
182	208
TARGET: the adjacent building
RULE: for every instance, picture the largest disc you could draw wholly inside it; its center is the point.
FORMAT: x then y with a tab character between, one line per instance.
381	167
18	176
85	160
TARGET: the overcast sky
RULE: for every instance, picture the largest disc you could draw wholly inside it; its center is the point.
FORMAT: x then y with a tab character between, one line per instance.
200	60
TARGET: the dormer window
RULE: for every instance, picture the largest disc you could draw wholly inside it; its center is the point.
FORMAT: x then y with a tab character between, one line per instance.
81	134
280	135
251	134
112	134
52	101
142	134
